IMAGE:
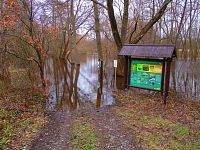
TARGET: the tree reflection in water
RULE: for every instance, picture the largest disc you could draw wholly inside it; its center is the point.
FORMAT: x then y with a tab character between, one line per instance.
71	85
63	80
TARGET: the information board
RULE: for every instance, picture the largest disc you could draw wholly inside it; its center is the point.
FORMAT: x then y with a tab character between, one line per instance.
146	74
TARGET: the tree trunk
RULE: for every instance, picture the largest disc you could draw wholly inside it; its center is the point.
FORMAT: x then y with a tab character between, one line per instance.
75	103
124	22
97	31
100	56
119	40
75	54
113	24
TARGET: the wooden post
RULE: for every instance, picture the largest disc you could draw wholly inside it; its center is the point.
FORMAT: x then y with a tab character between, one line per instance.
167	79
100	86
129	69
163	78
126	72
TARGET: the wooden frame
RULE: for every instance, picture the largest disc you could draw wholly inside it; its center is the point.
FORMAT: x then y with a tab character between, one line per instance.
165	75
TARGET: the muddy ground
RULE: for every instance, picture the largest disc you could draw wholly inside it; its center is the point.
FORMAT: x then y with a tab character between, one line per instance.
110	133
135	122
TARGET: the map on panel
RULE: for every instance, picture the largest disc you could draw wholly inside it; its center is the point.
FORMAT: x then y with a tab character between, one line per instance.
146	74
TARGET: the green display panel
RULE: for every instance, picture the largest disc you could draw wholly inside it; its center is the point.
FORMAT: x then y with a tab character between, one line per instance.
146	74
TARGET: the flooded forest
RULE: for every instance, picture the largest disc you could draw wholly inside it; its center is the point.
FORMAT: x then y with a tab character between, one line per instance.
61	53
40	40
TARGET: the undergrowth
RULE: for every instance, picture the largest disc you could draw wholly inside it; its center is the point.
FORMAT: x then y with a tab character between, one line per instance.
174	126
21	116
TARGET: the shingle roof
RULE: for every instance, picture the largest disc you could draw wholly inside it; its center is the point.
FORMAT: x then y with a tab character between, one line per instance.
149	50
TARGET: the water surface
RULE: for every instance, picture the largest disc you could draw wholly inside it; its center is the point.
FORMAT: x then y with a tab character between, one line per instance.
62	94
71	86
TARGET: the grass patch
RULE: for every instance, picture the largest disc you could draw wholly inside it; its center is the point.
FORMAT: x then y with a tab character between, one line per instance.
84	135
6	129
154	122
21	115
152	141
182	132
156	132
174	126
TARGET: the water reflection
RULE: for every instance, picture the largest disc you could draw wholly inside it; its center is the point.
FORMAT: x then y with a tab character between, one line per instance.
185	78
97	91
62	79
70	85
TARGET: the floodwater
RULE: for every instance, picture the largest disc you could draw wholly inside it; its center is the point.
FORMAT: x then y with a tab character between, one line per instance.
185	78
66	93
70	85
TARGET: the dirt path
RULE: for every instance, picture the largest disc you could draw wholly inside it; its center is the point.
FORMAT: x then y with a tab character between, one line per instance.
55	134
112	135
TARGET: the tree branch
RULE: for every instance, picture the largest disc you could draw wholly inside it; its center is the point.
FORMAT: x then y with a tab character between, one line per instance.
19	38
134	29
95	1
150	24
84	34
17	56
